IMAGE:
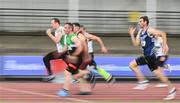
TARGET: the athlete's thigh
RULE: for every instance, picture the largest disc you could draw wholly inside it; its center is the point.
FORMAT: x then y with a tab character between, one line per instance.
152	62
161	60
141	60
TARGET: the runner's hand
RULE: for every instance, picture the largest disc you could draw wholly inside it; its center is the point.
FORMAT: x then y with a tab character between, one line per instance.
131	30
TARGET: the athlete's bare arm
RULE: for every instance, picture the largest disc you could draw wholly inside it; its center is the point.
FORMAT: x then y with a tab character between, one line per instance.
162	34
56	38
83	40
135	40
78	45
99	40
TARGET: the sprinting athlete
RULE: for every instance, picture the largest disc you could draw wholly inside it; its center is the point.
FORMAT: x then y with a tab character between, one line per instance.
161	57
73	59
145	38
56	37
90	38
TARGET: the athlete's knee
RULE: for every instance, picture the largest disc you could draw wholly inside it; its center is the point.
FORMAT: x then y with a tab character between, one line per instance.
133	64
45	59
83	65
157	71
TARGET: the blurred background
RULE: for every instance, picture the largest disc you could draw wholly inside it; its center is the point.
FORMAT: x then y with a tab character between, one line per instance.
23	24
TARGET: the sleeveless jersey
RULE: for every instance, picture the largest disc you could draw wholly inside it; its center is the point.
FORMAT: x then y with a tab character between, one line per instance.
59	31
158	46
71	45
90	45
147	43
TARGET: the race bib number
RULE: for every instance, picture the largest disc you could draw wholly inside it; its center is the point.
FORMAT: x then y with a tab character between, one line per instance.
143	43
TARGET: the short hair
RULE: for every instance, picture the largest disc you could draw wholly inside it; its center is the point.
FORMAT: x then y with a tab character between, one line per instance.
145	18
69	24
56	20
77	24
82	26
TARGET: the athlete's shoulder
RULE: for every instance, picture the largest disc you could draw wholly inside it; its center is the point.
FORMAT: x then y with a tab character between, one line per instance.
73	34
151	30
139	31
82	37
60	29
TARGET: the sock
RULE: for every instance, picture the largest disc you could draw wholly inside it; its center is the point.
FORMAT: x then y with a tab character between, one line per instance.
103	73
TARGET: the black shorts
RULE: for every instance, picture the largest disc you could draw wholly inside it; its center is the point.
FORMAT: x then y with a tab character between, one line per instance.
73	67
161	60
151	61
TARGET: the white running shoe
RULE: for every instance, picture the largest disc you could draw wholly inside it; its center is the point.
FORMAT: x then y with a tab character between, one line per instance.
161	85
142	85
171	95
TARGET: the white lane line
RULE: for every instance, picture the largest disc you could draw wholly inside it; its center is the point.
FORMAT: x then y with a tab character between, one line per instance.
43	94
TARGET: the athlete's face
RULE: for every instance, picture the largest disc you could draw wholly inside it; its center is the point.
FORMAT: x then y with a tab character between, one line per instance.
142	23
75	29
67	29
54	24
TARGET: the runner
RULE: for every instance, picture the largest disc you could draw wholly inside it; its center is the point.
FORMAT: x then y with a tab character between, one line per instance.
73	59
146	39
56	37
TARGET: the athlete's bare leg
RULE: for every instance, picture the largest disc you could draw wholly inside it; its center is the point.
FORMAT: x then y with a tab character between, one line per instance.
134	67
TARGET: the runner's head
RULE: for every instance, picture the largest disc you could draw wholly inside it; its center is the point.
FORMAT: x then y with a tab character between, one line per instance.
68	28
143	21
55	22
76	27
